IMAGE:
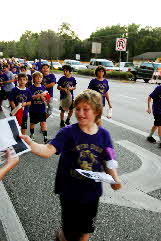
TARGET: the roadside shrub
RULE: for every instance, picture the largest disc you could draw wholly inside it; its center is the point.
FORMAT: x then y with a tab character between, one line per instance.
109	74
119	75
88	72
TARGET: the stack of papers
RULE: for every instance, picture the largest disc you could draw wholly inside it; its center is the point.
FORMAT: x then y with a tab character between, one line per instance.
97	176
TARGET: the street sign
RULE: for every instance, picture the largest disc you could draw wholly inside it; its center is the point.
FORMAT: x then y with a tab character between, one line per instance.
121	44
96	48
77	56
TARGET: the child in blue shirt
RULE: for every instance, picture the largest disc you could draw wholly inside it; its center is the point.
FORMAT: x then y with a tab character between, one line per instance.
21	94
38	105
100	84
48	81
87	146
156	108
66	83
3	79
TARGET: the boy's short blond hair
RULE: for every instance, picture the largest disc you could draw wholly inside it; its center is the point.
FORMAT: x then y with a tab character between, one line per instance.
35	74
93	98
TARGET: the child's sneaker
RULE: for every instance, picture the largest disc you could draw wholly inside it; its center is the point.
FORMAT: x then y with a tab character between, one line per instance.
109	115
151	139
67	122
62	124
45	140
32	137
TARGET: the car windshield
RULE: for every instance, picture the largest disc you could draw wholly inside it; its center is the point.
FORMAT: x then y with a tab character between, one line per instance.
106	64
75	63
157	65
129	64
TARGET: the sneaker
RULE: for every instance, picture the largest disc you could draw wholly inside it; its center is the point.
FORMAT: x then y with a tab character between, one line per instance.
62	124
32	137
67	122
159	145
45	140
151	139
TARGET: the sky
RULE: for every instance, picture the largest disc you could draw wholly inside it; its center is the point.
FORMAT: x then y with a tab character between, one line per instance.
85	16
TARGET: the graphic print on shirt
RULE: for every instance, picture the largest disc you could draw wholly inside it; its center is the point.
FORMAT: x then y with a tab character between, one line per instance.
88	156
38	100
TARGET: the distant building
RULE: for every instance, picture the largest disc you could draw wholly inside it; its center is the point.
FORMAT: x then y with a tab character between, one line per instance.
147	57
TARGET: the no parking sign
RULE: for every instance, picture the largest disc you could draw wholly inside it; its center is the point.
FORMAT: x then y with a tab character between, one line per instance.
121	44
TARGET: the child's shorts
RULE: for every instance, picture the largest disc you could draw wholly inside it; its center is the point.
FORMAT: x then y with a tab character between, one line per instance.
78	218
70	107
24	122
37	117
157	120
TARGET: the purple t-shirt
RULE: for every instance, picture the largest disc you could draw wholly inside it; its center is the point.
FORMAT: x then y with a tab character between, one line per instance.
156	96
3	78
29	82
18	95
37	105
48	79
65	82
100	86
83	151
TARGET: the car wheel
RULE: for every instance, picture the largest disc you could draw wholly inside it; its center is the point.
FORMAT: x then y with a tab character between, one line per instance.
146	80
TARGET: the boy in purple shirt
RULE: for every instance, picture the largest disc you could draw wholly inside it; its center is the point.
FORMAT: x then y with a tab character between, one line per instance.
3	79
38	105
29	77
86	146
66	83
156	108
20	94
100	84
48	81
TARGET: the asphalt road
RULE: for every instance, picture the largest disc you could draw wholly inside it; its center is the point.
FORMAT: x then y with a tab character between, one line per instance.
134	213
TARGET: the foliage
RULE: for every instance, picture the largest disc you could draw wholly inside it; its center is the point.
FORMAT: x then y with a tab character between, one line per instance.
66	44
109	74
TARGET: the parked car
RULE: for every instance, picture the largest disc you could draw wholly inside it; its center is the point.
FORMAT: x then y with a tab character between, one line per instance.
56	65
128	67
108	64
146	69
75	64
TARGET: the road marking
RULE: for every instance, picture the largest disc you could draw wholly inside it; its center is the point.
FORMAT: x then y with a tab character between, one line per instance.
146	179
10	220
130	128
125	96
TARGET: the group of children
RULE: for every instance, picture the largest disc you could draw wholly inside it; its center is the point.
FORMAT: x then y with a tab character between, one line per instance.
84	145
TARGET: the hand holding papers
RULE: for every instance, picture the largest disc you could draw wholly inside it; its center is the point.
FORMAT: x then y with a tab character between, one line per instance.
10	132
97	176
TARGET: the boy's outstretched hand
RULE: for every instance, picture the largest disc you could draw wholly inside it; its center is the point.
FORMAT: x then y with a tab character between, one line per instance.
26	138
116	186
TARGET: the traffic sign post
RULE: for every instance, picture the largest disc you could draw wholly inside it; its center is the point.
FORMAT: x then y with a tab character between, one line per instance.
77	56
96	48
121	45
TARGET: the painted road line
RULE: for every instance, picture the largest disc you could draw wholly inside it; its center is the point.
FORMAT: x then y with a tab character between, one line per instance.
138	183
125	96
9	218
130	128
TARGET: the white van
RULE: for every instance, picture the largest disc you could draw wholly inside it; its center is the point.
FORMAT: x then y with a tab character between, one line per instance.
108	64
75	64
